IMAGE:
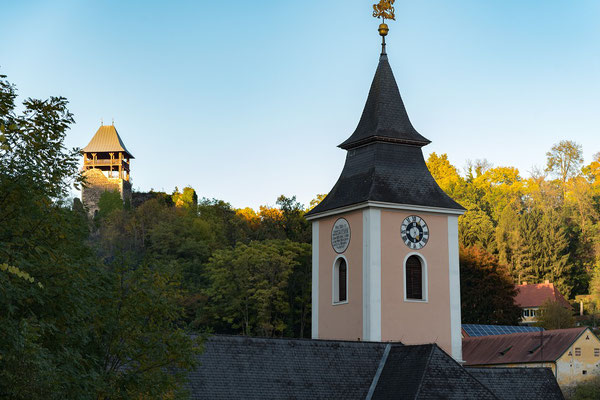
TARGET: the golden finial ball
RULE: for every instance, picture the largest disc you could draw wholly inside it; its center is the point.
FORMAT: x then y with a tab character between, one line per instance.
383	29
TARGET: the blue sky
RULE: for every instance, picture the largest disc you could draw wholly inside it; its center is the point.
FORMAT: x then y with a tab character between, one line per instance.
247	100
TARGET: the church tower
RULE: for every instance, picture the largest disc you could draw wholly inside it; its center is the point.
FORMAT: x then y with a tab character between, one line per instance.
106	166
385	239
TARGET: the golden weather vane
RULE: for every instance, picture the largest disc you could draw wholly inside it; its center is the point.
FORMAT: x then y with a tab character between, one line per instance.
384	9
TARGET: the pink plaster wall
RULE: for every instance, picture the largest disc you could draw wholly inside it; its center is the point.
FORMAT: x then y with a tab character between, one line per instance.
415	322
342	321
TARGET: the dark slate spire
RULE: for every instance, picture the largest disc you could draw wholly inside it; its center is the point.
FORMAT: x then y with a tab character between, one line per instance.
385	163
384	117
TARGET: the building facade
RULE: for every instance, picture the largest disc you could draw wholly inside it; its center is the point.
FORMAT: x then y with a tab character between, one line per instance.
106	167
532	297
572	354
385	239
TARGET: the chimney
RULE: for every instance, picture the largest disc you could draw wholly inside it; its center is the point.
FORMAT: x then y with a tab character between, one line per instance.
524	283
547	281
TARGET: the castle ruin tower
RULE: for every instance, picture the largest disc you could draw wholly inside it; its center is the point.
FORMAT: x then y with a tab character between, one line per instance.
106	167
385	239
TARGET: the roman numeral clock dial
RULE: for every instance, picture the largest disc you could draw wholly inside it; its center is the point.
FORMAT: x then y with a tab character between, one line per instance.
415	232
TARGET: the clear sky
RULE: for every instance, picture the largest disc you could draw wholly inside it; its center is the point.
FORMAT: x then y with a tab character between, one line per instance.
247	100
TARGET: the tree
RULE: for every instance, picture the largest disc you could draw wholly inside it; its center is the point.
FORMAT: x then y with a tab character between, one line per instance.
446	175
45	328
315	202
595	285
476	229
486	289
248	289
564	160
553	315
58	303
109	201
187	199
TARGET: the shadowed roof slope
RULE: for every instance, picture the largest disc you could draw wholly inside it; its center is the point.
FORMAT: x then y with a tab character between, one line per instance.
384	116
519	383
536	295
106	140
425	372
236	367
529	347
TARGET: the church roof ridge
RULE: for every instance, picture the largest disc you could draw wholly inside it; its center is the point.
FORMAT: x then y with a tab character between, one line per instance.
106	140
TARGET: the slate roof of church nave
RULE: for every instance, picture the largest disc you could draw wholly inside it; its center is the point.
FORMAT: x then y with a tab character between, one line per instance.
258	368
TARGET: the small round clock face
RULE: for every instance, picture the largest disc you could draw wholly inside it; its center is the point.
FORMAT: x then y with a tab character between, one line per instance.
415	232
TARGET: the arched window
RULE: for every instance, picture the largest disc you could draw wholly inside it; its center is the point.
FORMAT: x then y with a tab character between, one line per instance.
340	281
414	278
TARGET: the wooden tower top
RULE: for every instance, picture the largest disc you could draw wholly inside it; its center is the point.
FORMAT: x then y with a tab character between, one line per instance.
107	140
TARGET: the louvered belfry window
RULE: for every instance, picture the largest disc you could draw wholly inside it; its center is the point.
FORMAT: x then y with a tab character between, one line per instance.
342	279
414	278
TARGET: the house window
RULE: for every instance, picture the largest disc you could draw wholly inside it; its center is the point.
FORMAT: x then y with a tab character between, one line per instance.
340	281
414	278
533	313
526	313
577	351
596	352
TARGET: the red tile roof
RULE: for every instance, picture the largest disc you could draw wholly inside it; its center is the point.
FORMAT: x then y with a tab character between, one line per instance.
519	347
536	295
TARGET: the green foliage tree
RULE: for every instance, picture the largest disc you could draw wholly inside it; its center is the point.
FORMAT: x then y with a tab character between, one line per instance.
187	198
60	336
45	340
554	315
109	201
486	289
248	289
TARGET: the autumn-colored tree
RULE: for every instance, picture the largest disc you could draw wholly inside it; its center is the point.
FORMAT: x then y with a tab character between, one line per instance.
186	199
487	291
315	202
564	160
446	175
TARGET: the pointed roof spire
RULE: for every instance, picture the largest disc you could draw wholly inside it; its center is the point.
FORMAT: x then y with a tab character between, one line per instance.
386	164
384	117
106	140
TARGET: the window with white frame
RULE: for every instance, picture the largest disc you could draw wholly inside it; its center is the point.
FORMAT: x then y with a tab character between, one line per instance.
414	275
340	281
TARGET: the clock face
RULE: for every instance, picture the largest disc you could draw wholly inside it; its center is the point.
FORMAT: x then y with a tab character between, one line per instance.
415	232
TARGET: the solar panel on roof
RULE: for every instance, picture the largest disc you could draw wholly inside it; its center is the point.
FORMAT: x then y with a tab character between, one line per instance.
489	330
